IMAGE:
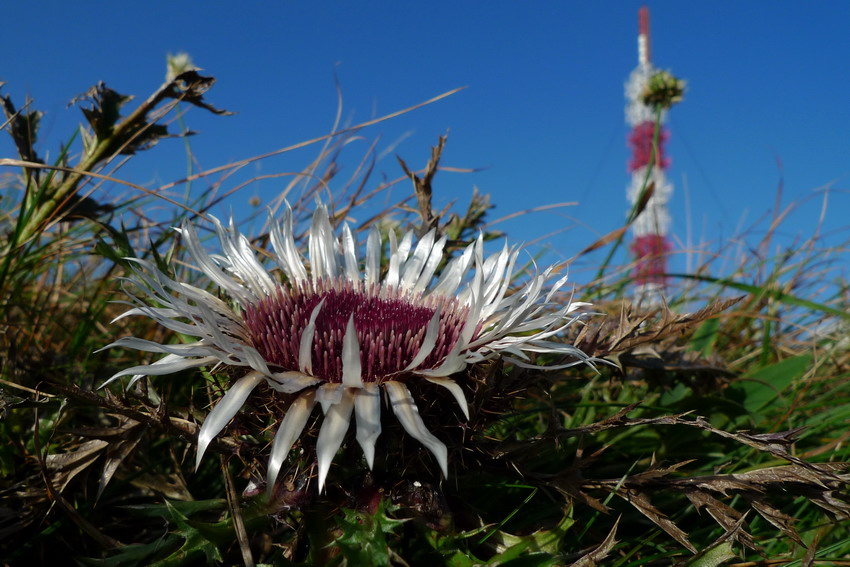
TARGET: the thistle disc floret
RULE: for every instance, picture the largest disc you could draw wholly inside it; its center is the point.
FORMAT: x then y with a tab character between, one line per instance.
390	328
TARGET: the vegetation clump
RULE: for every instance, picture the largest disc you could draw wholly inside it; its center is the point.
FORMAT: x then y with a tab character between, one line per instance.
708	431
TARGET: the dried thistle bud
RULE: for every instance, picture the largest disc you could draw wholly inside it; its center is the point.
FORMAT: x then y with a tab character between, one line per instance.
178	64
663	90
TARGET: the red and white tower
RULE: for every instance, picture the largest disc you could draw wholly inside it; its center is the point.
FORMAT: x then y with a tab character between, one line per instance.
650	228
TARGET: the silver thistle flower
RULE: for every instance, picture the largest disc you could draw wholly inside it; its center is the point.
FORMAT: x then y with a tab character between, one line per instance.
339	336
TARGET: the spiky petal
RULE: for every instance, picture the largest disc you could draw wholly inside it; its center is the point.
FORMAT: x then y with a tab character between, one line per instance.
224	411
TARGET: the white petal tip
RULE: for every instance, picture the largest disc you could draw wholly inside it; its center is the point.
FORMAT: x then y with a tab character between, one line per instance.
442	456
289	430
224	410
332	433
369	454
455	390
367	411
408	415
201	450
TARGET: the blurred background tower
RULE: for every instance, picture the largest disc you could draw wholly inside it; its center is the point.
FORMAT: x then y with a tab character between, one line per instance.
650	228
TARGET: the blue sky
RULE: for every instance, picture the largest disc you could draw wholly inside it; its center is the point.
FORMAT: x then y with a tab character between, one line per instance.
768	84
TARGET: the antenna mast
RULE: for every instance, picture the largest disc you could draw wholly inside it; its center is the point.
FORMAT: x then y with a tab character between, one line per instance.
650	228
644	54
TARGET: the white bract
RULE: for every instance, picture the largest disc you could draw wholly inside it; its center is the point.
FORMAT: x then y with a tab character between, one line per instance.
340	336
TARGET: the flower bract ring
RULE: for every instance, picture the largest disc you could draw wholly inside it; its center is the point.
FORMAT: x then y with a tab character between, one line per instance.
342	331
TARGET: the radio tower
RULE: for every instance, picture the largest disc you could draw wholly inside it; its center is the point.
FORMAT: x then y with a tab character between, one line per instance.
650	228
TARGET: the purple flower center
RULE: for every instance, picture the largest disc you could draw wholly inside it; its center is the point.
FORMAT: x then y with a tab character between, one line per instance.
390	325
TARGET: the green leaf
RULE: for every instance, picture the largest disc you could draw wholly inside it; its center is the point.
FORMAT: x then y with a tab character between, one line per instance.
509	516
550	540
675	395
182	508
786	298
162	264
364	536
510	553
547	541
198	538
119	250
135	554
459	559
539	548
714	556
705	337
762	388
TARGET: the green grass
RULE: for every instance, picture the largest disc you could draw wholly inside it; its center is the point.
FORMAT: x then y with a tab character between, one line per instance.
717	435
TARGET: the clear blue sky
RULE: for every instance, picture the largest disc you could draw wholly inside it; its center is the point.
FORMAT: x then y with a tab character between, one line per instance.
768	82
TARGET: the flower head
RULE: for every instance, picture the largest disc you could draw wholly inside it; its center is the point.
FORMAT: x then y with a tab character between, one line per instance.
663	90
339	336
178	64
